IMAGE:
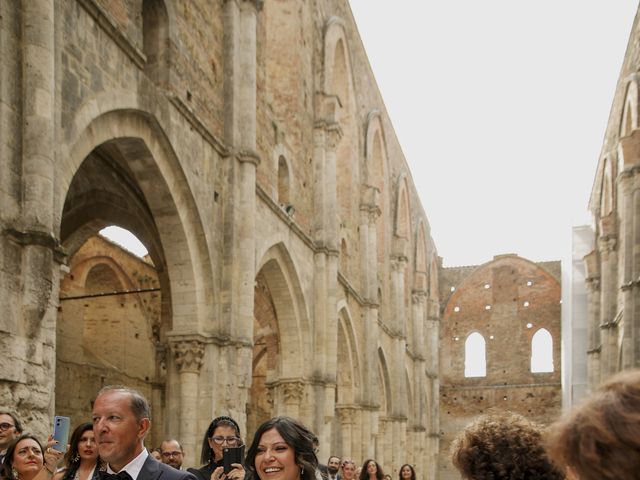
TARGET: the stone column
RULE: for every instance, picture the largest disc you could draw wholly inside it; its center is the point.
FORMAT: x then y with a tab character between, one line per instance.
240	120
346	418
188	356
592	280
608	301
327	136
293	393
433	385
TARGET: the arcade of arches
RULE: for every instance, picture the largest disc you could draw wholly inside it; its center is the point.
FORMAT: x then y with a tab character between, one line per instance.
291	268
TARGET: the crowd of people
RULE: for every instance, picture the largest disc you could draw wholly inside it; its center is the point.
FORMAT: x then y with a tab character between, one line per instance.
599	439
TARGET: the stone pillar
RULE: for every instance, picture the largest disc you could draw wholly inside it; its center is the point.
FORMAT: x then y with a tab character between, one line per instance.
592	280
188	356
608	300
346	418
240	106
432	340
327	136
293	393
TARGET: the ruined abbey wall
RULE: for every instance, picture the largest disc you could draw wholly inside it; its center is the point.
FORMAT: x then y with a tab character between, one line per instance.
247	145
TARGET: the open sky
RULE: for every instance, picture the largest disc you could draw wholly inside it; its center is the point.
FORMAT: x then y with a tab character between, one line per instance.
500	107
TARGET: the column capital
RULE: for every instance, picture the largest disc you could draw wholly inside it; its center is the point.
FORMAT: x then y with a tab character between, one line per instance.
346	415
418	297
257	4
188	355
293	392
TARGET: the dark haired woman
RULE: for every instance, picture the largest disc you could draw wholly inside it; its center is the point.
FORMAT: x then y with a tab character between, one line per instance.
282	447
81	460
407	472
26	460
371	470
222	432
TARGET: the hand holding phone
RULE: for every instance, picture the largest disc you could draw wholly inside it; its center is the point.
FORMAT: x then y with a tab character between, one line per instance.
231	455
61	427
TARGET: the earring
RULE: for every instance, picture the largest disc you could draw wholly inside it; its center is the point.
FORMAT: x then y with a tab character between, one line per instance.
301	471
14	472
76	458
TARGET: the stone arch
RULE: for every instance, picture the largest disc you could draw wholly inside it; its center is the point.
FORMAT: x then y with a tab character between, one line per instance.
349	379
377	171
629	119
607	190
386	404
338	82
403	210
420	255
131	144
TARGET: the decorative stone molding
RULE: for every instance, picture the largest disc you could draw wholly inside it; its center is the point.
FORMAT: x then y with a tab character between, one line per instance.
293	392
606	245
346	415
188	355
418	297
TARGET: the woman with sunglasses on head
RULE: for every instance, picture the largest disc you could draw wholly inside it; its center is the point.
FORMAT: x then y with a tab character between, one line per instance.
222	432
81	460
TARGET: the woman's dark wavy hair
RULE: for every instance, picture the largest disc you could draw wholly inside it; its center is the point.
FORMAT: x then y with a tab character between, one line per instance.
72	458
206	454
600	438
297	436
363	473
502	446
7	463
413	472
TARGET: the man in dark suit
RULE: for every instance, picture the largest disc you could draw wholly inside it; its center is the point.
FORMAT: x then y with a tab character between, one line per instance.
121	419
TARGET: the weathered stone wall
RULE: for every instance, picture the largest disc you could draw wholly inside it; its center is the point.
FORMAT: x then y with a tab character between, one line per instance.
507	301
613	267
246	144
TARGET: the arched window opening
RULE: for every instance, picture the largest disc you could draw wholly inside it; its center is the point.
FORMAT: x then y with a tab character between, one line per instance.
283	182
155	39
542	352
125	239
475	362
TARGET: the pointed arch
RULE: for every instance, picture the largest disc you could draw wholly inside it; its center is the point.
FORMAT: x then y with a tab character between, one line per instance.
542	352
420	255
385	383
280	274
475	359
349	379
629	120
137	147
403	210
607	190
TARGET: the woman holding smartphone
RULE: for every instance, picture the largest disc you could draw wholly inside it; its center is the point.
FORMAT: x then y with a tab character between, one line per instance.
26	460
81	460
223	432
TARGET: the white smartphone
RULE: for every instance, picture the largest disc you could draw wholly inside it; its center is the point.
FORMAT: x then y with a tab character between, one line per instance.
61	427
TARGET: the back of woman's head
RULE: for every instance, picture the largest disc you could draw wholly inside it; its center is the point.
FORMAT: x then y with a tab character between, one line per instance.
600	438
502	446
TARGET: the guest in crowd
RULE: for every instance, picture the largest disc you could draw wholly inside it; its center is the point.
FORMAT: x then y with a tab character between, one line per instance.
172	453
10	429
156	453
26	460
407	472
348	470
600	438
371	470
358	472
81	460
502	446
285	445
121	420
222	432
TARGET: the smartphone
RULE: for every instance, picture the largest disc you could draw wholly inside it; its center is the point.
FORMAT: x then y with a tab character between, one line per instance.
232	455
61	427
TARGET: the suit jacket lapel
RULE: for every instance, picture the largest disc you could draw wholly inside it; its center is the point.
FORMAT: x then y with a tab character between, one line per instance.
150	469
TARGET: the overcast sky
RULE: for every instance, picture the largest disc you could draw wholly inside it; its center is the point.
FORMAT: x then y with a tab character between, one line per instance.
500	107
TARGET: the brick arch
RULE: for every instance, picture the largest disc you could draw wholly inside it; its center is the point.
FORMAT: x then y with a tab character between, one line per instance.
349	381
138	144
280	275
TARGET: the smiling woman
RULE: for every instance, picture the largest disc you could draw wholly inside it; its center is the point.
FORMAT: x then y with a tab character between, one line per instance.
282	449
